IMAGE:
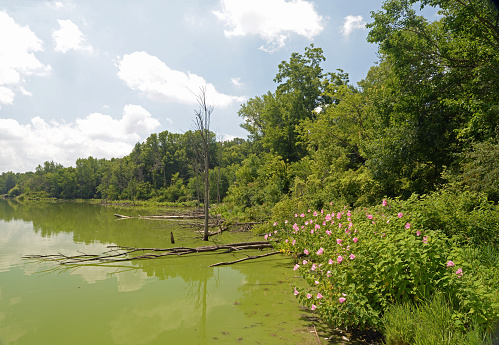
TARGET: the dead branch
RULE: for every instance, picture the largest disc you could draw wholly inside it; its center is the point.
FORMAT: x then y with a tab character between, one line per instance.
161	217
249	257
119	253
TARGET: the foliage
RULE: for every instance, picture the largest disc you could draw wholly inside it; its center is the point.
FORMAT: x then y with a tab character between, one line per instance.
478	169
361	262
465	215
428	322
434	91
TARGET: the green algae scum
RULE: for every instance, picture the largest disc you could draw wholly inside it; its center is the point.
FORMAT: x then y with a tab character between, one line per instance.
173	300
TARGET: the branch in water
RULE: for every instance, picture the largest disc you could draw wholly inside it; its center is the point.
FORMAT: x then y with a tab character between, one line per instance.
249	257
119	253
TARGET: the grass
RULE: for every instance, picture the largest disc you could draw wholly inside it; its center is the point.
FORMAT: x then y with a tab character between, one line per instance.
429	323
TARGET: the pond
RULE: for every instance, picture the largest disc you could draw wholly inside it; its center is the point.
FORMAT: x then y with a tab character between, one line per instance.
172	300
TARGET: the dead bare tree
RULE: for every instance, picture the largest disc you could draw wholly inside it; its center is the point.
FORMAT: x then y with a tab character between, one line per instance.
202	122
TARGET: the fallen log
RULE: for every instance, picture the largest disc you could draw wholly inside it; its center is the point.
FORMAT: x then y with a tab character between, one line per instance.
249	257
161	217
120	253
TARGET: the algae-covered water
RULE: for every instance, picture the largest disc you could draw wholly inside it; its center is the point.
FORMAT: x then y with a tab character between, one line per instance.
173	300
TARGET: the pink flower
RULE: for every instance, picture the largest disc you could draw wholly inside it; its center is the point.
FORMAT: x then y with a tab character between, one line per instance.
312	231
314	267
352	256
459	272
320	251
315	213
330	261
285	222
309	296
319	296
294	242
328	217
313	307
418	233
316	282
408	226
306	252
296	292
338	241
349	213
328	232
305	262
302	215
342	299
400	215
275	223
338	215
355	239
339	259
425	239
384	203
296	267
450	263
317	226
369	216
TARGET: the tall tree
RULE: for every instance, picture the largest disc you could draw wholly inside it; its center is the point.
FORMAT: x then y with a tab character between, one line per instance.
435	90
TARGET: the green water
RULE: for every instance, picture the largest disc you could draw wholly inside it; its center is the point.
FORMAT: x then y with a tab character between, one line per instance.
174	300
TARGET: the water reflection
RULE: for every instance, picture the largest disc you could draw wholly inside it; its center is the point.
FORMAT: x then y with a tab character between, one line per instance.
170	300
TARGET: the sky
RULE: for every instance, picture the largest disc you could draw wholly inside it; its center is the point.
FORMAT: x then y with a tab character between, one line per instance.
82	78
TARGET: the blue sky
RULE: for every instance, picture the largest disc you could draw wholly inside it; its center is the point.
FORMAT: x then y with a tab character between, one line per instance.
83	78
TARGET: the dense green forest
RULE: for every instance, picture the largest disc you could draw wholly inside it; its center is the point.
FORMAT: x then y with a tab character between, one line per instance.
425	117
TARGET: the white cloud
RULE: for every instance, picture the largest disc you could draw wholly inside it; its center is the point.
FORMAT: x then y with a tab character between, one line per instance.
97	135
156	81
17	59
236	82
228	137
61	5
69	37
351	23
272	20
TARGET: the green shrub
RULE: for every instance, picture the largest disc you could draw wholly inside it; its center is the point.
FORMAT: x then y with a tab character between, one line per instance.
465	214
359	263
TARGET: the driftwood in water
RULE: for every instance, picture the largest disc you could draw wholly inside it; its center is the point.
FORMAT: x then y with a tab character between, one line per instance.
194	216
118	253
249	257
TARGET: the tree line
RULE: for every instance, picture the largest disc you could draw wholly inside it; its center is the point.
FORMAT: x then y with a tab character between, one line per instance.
425	117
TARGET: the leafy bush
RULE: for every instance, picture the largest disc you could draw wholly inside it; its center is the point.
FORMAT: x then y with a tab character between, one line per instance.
465	214
15	191
359	263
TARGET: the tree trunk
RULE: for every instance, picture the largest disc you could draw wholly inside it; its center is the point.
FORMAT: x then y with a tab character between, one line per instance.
206	186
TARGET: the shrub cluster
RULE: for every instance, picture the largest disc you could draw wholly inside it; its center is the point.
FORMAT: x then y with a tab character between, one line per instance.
359	263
